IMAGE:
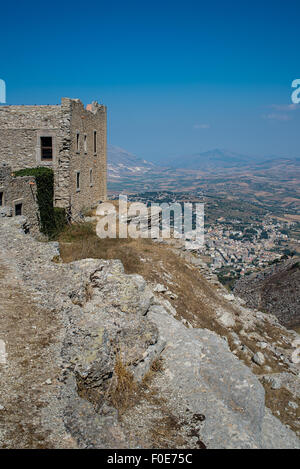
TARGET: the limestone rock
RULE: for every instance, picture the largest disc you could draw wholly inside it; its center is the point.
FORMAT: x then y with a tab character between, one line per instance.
293	405
159	288
5	211
211	382
229	297
96	363
258	358
227	319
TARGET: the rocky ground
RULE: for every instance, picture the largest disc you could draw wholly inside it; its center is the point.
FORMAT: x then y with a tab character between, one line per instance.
92	357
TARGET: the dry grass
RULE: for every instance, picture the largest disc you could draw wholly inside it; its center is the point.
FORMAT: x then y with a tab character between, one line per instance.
80	242
278	401
56	259
88	290
89	212
157	365
165	433
123	390
125	394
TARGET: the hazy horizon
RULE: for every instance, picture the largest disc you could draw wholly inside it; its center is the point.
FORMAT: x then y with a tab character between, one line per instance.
166	160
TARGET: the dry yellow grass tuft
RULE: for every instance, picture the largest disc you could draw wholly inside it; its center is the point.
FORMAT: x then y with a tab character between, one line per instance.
123	389
157	365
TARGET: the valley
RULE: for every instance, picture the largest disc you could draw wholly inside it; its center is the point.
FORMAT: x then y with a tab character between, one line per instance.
252	216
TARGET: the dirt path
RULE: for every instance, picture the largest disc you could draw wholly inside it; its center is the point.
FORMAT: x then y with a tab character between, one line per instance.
27	333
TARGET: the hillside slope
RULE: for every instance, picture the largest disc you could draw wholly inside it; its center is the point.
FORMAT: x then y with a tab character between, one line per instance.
275	290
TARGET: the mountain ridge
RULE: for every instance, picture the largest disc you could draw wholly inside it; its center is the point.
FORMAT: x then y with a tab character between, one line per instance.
218	158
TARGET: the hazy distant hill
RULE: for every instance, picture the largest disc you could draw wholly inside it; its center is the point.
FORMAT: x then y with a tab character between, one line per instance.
121	163
271	180
212	159
278	162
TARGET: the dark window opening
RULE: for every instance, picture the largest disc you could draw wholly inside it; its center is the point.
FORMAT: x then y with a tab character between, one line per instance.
77	143
46	148
91	176
78	181
18	209
1	199
95	141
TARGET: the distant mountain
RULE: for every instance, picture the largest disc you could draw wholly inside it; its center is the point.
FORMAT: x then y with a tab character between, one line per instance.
129	172
121	163
277	162
213	159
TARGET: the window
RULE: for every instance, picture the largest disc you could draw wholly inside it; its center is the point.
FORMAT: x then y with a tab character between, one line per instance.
91	177
18	209
95	141
85	144
77	142
1	199
78	181
46	148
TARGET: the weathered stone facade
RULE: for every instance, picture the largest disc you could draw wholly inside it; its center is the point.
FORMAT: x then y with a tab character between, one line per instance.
18	197
76	139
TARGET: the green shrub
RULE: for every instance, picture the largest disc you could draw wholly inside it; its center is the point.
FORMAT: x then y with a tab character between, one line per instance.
59	219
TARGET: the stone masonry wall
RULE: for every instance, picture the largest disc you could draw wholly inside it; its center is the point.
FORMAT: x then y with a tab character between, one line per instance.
90	164
20	190
21	128
62	195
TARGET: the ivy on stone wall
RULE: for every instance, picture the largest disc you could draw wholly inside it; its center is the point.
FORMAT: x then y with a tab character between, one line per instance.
52	220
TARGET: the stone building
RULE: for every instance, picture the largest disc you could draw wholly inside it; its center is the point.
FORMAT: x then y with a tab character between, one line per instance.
69	138
18	197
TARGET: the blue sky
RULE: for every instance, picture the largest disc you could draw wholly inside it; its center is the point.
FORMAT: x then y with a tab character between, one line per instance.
177	77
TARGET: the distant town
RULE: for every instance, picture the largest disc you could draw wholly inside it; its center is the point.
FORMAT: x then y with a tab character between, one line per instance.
235	245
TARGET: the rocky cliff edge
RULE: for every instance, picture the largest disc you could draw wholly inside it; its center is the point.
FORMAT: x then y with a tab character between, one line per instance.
95	358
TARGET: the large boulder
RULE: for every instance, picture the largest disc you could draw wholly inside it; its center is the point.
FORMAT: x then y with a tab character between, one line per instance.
108	322
205	377
107	286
